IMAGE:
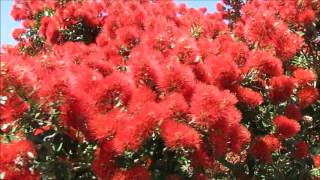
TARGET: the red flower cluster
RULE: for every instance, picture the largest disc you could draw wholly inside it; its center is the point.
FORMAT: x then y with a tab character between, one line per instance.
286	128
263	147
151	67
15	160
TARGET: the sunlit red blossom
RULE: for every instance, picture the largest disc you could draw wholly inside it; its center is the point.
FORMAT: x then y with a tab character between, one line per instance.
293	112
141	96
20	12
307	96
229	117
239	136
175	105
307	16
257	27
12	108
301	150
285	127
137	129
49	29
263	147
155	65
17	33
14	159
304	76
103	125
316	160
249	97
281	88
209	104
145	67
137	173
177	78
176	135
114	91
10	151
264	62
28	23
225	73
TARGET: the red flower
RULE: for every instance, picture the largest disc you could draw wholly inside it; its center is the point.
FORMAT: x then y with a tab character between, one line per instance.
49	29
307	16
17	33
301	150
281	88
307	96
263	147
264	62
304	76
249	97
209	104
177	135
240	136
102	126
286	128
177	78
175	106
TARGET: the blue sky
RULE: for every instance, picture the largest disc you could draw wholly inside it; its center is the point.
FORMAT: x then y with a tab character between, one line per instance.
7	24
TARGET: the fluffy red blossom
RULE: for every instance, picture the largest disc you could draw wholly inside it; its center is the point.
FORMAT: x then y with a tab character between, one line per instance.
240	136
304	76
209	104
14	157
17	33
138	127
115	91
225	73
293	112
281	88
141	96
263	147
249	97
177	78
264	62
175	106
176	135
145	67
20	12
10	151
49	29
307	16
11	109
307	96
285	127
103	125
301	150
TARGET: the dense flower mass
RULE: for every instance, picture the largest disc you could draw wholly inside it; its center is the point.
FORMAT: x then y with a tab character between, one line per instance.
151	90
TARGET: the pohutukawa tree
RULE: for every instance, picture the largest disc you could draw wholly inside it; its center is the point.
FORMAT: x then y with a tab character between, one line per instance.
147	89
